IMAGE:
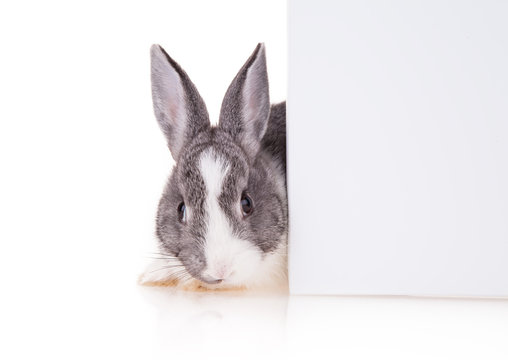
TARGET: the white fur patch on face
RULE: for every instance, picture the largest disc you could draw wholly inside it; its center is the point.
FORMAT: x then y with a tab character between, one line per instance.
229	258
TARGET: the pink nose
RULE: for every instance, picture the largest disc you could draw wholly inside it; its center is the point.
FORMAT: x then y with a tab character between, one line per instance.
219	273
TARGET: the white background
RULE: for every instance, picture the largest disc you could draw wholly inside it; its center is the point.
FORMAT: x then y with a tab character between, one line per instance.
82	164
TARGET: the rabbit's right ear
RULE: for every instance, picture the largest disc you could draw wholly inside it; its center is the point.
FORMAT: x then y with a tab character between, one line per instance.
246	105
178	107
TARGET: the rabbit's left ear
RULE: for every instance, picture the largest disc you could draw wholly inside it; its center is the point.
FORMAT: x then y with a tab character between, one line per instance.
178	107
246	105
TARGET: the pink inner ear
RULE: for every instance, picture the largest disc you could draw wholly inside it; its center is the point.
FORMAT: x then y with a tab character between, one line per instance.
174	110
254	101
173	95
173	100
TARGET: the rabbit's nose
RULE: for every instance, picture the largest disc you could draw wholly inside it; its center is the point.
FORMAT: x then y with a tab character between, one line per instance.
219	272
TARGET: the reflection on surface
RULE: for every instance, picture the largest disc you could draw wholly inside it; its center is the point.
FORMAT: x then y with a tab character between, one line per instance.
244	325
222	324
398	327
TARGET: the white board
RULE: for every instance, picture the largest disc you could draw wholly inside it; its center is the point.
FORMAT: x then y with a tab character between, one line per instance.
398	147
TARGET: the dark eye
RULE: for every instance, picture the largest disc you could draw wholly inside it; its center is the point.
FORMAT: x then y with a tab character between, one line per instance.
246	203
181	212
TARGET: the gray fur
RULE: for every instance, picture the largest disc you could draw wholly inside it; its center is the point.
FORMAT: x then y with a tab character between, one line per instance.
232	119
254	148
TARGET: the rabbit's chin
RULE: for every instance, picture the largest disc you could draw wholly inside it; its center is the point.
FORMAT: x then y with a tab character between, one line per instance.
270	275
270	272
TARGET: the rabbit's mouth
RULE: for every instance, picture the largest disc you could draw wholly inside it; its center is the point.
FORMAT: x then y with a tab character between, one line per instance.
211	280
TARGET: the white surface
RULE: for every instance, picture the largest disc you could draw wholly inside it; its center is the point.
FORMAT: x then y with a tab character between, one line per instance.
398	147
103	320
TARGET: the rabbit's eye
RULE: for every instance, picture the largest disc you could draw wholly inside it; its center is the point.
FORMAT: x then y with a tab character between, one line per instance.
246	203
181	212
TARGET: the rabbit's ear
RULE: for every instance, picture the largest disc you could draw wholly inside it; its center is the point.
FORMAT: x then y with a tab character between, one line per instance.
246	105
178	107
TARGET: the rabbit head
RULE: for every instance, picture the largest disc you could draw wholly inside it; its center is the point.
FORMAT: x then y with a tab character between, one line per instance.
222	218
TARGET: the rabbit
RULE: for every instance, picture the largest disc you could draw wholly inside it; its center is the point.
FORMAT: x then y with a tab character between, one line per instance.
222	220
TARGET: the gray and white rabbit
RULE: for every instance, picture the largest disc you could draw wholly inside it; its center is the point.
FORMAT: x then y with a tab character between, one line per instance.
222	219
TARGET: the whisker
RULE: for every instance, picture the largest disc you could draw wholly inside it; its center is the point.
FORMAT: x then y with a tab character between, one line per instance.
186	281
163	258
166	267
182	275
180	272
161	253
